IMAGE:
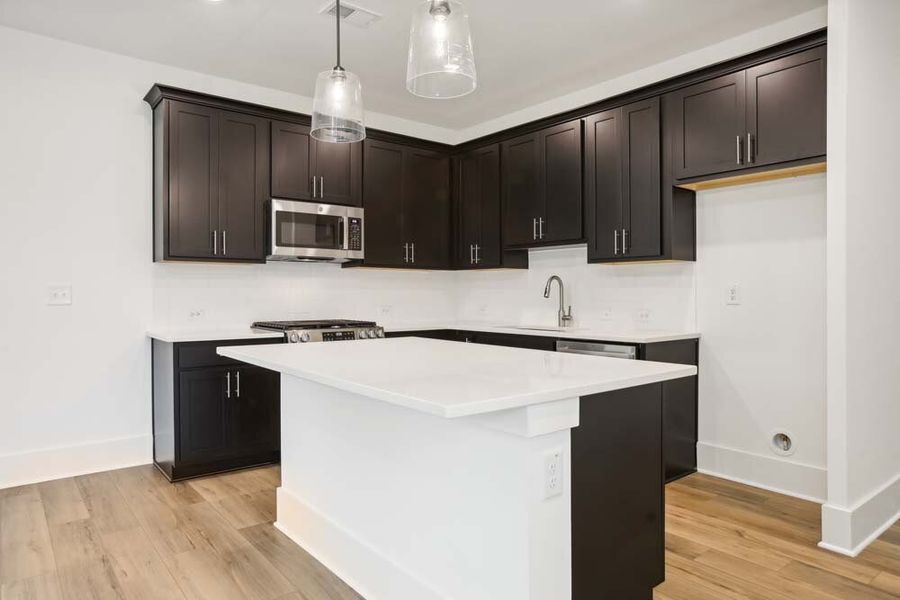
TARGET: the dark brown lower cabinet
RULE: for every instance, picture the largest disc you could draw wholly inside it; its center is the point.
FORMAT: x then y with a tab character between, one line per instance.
617	469
210	413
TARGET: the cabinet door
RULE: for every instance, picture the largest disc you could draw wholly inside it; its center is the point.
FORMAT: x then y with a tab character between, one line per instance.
193	180
426	207
202	415
478	202
709	126
562	183
641	178
243	185
253	415
291	174
383	202
522	182
603	187
338	168
786	108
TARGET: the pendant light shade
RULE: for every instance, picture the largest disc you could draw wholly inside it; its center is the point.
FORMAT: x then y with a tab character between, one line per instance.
441	60
338	108
337	105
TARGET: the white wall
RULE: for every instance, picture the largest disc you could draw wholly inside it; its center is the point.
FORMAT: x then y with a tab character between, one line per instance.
604	296
75	207
863	275
763	360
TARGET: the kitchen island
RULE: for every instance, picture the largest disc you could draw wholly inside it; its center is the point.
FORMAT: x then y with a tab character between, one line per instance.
420	469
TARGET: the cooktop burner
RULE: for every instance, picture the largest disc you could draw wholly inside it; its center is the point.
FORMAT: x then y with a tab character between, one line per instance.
312	324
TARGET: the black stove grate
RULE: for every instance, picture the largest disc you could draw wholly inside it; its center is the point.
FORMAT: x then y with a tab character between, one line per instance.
312	324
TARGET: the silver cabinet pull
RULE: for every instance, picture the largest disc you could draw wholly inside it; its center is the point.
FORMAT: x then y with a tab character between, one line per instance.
406	253
224	242
237	376
534	229
477	252
541	228
740	154
314	185
624	243
215	241
412	252
615	242
471	254
228	386
751	151
321	186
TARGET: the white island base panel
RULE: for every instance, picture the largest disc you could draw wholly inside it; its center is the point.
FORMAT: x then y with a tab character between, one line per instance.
404	505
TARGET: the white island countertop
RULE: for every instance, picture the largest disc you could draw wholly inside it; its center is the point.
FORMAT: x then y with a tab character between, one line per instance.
449	379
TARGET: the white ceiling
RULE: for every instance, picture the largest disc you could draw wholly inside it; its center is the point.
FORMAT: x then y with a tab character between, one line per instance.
527	51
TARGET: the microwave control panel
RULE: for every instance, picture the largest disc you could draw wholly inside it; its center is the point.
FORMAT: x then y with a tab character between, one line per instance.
355	233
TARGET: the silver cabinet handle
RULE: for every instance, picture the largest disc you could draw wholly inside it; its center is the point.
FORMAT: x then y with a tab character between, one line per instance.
215	233
314	185
740	154
471	254
224	242
750	149
477	252
237	376
321	186
412	252
534	229
541	228
228	386
615	242
624	243
406	253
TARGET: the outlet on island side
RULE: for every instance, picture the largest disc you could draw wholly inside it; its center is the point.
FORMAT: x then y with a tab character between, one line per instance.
553	473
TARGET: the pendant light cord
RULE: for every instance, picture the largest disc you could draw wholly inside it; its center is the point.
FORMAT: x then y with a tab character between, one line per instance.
337	19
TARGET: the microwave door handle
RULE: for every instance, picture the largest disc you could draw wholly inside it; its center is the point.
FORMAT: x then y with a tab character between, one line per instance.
344	235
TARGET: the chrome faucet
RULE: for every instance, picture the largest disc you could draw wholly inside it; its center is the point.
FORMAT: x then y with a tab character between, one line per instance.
564	318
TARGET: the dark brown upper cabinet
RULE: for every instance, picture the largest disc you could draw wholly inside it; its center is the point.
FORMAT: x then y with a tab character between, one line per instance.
305	169
541	186
211	183
406	195
622	183
477	195
769	114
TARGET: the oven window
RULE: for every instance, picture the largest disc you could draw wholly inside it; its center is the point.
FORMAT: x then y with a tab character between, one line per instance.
306	230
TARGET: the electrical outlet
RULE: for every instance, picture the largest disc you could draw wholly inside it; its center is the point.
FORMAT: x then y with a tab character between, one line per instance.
606	314
59	295
643	315
733	295
196	314
553	473
385	309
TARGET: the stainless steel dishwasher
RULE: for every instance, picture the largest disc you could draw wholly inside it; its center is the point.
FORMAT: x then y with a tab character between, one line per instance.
597	349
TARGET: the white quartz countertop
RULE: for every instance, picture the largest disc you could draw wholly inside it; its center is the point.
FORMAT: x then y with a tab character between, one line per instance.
209	335
449	379
635	336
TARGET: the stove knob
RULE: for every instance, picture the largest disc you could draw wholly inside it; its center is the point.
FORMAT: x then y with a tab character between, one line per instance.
304	337
363	334
373	334
293	337
379	333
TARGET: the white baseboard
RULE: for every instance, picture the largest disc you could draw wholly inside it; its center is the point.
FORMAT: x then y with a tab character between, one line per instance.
68	461
767	472
376	577
849	530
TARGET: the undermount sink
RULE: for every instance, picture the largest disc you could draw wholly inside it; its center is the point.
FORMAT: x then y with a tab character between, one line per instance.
536	328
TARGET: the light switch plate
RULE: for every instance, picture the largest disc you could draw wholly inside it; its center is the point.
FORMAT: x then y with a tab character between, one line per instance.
59	295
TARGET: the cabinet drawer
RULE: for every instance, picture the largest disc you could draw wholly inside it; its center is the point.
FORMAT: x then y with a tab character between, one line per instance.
191	355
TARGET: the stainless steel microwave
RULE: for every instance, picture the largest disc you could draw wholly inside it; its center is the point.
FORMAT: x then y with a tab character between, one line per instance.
311	232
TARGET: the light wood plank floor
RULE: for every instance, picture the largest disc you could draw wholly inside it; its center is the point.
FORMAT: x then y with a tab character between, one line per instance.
131	534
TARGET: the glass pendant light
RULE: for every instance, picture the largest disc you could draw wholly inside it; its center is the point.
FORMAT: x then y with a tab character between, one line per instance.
337	105
441	60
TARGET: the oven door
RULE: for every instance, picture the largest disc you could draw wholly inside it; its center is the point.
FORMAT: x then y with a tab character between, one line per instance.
306	231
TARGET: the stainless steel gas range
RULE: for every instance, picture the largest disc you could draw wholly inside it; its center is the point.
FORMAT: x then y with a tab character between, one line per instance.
327	330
